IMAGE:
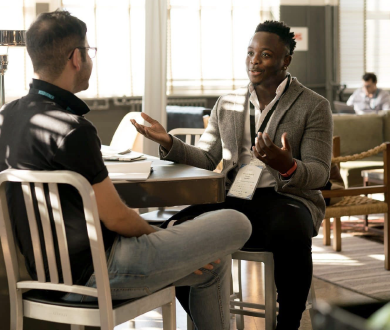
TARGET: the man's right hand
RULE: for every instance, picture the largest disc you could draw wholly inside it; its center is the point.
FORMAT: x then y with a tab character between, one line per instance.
156	132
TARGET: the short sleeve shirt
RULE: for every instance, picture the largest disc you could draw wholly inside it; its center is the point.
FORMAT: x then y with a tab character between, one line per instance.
46	130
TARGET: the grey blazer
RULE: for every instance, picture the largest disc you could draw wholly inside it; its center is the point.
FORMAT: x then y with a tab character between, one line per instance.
302	113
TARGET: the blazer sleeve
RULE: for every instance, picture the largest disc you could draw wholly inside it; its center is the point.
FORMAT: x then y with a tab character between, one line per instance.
207	154
316	151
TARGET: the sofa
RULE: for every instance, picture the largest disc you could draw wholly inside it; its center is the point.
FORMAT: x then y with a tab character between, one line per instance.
360	133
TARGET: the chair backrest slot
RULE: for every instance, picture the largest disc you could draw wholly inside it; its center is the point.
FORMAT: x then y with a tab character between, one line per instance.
61	233
47	233
28	200
189	133
197	138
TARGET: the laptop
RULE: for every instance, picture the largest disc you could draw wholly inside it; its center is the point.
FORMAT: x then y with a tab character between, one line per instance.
342	107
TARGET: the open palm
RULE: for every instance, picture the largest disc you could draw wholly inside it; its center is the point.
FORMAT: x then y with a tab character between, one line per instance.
155	132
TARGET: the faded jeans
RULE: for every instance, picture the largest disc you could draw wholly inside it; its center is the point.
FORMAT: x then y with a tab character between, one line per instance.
139	266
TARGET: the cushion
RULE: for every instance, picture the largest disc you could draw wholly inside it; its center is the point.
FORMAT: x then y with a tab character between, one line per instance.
358	133
351	171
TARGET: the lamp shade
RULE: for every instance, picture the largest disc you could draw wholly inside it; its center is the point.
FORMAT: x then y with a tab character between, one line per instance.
12	38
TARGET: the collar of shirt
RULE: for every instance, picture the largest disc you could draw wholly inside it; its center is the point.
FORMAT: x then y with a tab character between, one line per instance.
255	101
62	97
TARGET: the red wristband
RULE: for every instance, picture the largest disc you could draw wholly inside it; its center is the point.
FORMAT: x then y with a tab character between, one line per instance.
290	171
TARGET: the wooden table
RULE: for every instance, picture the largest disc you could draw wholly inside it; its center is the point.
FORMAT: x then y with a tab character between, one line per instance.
169	184
173	184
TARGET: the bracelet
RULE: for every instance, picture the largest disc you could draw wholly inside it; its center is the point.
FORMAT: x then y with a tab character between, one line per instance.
290	171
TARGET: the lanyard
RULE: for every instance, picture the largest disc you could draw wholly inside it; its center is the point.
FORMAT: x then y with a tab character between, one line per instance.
267	117
51	97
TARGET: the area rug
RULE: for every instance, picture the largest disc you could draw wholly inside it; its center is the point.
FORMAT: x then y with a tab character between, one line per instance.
359	267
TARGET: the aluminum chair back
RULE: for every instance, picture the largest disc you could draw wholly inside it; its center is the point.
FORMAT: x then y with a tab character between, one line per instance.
35	180
189	134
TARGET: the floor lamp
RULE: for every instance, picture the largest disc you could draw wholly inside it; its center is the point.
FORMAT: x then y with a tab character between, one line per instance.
8	38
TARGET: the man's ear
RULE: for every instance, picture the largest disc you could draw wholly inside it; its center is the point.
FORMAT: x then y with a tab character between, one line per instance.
76	59
287	60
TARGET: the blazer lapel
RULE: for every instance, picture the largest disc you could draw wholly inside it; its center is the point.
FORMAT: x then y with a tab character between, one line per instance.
239	116
284	105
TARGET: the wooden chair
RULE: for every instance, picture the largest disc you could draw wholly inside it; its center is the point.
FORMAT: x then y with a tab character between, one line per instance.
105	313
353	203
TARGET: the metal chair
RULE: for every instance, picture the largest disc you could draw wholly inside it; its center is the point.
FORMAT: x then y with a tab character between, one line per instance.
105	313
269	306
157	217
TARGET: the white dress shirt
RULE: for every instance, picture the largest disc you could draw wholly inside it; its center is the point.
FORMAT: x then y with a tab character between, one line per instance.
364	104
266	179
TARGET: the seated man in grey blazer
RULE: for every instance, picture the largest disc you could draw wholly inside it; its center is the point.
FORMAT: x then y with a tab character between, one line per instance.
274	161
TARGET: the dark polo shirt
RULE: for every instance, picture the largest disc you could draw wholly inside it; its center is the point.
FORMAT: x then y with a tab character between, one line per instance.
46	130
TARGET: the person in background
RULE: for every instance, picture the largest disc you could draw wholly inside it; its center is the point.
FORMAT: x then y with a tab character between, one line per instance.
275	139
46	131
369	98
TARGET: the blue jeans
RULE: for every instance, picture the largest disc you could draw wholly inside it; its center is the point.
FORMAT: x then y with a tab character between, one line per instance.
139	266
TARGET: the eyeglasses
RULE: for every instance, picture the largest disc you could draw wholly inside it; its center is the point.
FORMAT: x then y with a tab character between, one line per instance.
91	51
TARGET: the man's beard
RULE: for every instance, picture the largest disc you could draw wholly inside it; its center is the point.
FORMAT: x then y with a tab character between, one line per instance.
82	78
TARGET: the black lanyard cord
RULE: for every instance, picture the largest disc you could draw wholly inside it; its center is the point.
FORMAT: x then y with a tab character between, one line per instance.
267	117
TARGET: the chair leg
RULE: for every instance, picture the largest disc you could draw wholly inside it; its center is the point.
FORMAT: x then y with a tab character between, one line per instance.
326	232
270	295
16	310
237	289
337	234
169	315
386	235
190	324
311	299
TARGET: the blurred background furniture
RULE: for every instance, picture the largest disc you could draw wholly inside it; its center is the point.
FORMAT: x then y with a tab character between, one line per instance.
353	203
37	303
359	133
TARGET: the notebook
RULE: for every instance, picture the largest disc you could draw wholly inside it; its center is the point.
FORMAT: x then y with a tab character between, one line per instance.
112	154
134	171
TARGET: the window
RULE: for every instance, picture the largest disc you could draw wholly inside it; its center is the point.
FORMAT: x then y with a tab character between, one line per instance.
364	41
207	41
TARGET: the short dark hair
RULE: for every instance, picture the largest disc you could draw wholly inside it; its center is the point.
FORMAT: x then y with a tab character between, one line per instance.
51	38
282	30
370	76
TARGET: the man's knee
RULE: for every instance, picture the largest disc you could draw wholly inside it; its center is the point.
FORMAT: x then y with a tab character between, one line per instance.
235	222
293	228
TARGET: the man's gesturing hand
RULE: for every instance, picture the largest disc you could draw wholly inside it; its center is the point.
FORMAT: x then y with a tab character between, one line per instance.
279	159
156	132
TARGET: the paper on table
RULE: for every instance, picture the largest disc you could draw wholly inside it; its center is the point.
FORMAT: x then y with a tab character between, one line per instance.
113	154
110	151
129	171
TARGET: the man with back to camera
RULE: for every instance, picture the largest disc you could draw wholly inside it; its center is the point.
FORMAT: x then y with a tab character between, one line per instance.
276	124
369	98
46	130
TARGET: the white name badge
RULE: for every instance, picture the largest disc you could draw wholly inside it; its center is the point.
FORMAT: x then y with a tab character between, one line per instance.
245	183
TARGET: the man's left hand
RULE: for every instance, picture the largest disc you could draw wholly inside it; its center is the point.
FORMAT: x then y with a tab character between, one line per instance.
279	159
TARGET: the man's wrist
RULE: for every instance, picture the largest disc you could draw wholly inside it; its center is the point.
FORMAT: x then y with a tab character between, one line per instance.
290	171
167	145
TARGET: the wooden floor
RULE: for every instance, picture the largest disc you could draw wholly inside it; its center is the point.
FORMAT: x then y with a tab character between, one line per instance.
252	290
